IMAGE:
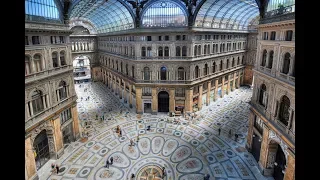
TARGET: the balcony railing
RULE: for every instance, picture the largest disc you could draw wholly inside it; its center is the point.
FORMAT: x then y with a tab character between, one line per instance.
281	14
275	123
51	110
43	74
286	78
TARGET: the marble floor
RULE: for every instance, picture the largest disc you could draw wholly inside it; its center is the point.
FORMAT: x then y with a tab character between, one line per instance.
188	150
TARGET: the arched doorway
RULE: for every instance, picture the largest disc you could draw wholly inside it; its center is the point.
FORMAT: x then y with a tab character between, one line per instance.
81	69
163	73
280	163
41	146
163	101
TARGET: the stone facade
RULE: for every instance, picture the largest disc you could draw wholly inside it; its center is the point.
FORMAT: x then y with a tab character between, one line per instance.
145	61
49	90
273	99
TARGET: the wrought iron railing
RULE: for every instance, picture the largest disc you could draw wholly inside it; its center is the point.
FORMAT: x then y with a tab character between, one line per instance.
281	14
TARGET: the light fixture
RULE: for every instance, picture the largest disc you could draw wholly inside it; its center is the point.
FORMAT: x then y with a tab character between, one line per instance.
275	163
260	140
283	171
253	135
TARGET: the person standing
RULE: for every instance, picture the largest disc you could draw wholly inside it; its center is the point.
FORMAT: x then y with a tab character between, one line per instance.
111	160
57	168
138	138
107	164
131	142
219	130
230	133
236	137
120	133
163	171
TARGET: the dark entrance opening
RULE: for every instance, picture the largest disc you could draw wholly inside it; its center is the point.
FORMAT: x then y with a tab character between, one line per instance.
163	101
147	108
67	135
41	146
280	163
256	147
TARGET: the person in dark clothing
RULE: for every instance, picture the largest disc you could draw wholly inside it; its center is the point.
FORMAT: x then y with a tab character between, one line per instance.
132	175
111	160
57	168
148	128
236	137
206	177
107	164
120	133
219	130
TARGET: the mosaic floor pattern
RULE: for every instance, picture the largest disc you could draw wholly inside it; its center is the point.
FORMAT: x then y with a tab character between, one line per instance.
187	151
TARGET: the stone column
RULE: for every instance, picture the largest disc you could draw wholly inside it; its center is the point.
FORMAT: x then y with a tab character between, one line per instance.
264	148
57	134
222	87
172	100
250	131
31	108
216	84
241	79
27	110
154	105
120	89
189	100
44	101
238	84
200	97
139	100
124	92
234	82
130	95
228	85
76	123
208	93
290	170
58	56
30	162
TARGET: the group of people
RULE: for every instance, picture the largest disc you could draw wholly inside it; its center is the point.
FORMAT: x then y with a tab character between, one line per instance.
119	131
109	163
236	136
55	168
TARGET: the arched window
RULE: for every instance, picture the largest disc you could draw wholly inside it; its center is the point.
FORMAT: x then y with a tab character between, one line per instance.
132	69
178	51
284	110
184	51
180	73
199	49
262	95
242	60
62	91
163	73
121	67
221	65
62	59
213	48
166	51
149	50
143	51
160	51
164	14
109	64
205	69
270	60
117	65
286	63
196	72
55	59
195	50
112	64
214	67
232	62
146	73
208	49
227	64
27	63
264	58
37	102
127	70
37	62
238	61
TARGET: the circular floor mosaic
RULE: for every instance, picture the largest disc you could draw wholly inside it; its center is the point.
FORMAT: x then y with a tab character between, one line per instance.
186	150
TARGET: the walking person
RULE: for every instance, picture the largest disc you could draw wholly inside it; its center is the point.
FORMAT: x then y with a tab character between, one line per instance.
138	138
53	169
236	137
163	172
131	142
111	160
57	168
230	133
107	164
120	133
219	130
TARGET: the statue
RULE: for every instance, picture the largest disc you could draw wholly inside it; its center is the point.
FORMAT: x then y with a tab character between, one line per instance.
138	6
189	5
